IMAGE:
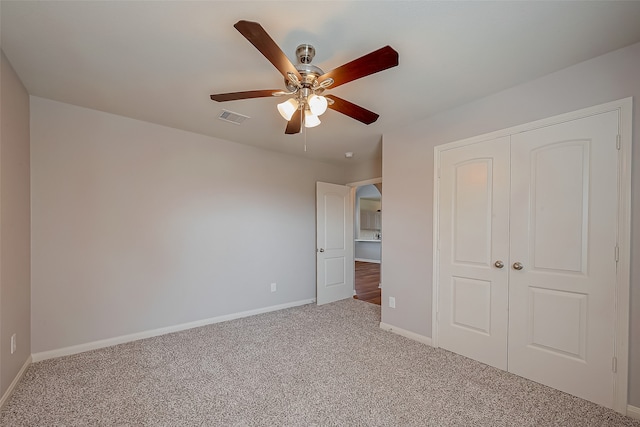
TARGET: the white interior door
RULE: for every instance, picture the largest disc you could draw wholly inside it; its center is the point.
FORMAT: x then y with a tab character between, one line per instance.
334	240
563	234
474	251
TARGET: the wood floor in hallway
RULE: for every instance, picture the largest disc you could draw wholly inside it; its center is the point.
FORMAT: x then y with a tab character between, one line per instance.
367	280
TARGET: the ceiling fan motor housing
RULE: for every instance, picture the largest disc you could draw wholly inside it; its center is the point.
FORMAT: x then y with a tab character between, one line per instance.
305	53
309	73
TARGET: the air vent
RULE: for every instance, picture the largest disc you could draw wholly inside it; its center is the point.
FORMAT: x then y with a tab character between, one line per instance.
231	117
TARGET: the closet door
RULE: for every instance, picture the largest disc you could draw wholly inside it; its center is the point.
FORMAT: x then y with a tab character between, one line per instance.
473	244
562	267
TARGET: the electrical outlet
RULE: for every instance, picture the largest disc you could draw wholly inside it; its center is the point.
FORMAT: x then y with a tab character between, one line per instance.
273	287
392	302
13	343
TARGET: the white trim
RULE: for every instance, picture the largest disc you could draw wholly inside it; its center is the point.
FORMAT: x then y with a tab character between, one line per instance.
356	222
633	412
623	282
625	109
407	334
435	289
7	394
375	261
94	345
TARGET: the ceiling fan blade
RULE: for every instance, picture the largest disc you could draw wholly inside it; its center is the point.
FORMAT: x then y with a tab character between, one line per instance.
232	96
295	124
258	37
368	64
352	110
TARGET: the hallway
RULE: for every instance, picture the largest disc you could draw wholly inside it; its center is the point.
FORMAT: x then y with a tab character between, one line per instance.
367	280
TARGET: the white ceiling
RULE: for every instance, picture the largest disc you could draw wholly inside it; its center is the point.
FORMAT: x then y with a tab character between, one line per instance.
160	61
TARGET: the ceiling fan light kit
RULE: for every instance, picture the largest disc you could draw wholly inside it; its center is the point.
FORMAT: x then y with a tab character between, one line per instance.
317	104
287	108
306	82
310	119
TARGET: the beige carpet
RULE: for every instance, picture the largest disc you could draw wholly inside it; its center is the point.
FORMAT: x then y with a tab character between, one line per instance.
305	366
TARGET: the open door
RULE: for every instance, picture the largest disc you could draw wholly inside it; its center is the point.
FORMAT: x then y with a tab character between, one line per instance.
334	240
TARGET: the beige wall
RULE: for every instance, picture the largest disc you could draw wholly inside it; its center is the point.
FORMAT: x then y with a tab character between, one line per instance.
137	226
362	171
408	179
14	224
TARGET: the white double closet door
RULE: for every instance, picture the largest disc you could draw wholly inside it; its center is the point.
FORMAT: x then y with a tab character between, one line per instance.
527	265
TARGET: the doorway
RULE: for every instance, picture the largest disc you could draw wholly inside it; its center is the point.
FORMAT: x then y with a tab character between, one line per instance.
337	229
367	241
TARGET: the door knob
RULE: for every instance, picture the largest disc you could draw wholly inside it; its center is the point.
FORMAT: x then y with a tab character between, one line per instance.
518	266
320	250
499	264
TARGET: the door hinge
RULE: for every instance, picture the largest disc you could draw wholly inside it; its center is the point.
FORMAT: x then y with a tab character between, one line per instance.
617	253
438	172
618	143
614	365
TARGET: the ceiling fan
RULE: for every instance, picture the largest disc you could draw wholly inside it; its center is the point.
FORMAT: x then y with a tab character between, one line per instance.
305	83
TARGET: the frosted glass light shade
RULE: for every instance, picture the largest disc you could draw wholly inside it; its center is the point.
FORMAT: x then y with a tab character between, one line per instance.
310	119
317	104
287	108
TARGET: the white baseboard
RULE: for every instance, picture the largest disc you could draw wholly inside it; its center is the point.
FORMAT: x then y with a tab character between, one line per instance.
375	261
405	333
633	412
7	394
94	345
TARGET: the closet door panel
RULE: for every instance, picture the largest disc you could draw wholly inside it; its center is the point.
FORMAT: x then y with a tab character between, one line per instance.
473	235
559	206
563	233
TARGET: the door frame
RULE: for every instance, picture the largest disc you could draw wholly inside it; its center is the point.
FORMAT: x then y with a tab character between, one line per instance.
354	187
621	343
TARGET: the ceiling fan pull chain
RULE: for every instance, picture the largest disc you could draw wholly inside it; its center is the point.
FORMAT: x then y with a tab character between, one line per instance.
305	130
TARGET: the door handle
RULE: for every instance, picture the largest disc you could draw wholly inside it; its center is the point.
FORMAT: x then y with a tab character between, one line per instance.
321	250
499	264
518	266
